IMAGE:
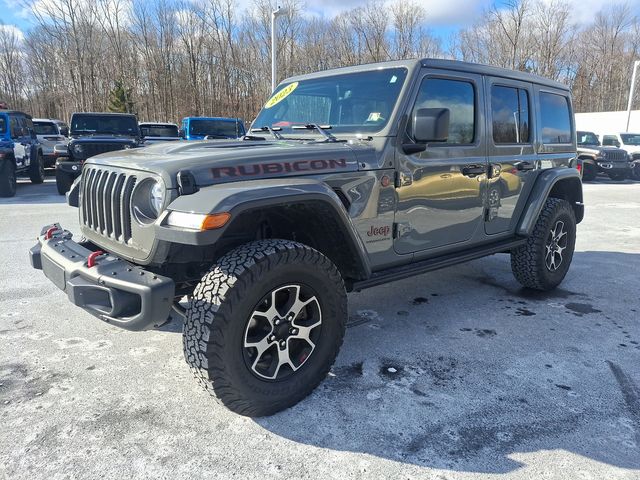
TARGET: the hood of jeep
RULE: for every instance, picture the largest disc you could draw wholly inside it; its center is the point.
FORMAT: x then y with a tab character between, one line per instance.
221	161
594	149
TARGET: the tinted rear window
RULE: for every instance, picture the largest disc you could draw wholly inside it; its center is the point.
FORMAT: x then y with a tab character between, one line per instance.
3	125
45	128
556	123
215	128
159	130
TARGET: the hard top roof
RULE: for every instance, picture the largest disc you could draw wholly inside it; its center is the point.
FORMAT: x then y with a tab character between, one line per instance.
224	119
456	65
104	113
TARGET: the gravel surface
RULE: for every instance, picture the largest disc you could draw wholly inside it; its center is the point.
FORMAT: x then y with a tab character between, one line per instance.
450	375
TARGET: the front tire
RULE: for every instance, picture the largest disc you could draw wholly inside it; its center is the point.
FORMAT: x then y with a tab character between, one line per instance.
264	325
618	177
8	181
63	181
589	172
36	170
544	260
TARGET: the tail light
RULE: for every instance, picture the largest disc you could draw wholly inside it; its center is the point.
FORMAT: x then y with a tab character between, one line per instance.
579	167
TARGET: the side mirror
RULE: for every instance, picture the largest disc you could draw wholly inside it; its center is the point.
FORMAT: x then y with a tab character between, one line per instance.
431	125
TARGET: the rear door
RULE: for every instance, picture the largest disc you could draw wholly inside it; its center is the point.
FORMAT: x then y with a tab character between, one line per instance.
513	162
441	190
20	146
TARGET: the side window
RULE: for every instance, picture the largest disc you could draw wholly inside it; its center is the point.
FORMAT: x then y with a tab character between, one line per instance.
556	124
27	124
456	95
14	127
510	115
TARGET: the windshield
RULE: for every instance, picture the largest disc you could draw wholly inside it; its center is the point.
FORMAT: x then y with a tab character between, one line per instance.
45	128
630	138
159	131
350	103
215	128
113	124
587	138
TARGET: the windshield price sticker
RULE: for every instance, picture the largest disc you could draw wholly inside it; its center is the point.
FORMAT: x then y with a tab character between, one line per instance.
281	95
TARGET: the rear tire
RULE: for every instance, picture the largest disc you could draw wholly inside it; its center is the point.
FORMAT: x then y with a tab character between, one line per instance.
36	170
544	260
264	325
63	181
589	172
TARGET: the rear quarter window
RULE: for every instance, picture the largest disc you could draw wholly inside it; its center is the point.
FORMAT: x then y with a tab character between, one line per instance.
555	118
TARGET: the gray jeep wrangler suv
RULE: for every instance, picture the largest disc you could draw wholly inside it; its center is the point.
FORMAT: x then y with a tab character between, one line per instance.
349	178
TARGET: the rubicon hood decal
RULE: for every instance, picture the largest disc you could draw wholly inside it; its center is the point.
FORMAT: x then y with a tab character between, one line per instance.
213	162
270	168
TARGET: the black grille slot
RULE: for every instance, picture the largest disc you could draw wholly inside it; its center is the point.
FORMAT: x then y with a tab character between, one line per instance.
90	149
615	155
106	202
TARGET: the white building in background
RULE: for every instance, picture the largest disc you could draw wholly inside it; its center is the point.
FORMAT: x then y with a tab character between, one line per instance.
602	123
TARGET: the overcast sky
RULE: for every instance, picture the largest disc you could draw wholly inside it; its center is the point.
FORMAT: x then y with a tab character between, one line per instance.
443	16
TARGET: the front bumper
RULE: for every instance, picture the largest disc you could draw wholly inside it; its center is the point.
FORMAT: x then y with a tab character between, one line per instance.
70	167
613	167
113	290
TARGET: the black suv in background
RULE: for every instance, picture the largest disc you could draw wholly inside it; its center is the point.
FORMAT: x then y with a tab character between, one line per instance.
612	161
92	134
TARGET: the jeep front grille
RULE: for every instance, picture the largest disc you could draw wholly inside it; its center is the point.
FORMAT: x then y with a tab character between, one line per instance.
615	155
106	202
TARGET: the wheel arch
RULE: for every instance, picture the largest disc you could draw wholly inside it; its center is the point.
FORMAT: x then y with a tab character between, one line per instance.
562	183
304	210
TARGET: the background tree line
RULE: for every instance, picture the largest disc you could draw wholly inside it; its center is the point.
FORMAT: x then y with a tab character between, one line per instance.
168	59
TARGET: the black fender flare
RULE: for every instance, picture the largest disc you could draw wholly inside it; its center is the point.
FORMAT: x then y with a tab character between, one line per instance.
237	198
568	179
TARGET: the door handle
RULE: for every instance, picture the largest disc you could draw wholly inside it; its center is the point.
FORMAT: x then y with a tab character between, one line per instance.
472	170
523	166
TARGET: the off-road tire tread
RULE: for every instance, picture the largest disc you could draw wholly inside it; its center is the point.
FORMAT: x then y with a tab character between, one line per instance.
211	309
63	182
7	189
36	175
526	264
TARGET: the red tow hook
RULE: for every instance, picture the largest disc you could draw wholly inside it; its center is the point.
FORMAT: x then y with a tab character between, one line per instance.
50	232
91	260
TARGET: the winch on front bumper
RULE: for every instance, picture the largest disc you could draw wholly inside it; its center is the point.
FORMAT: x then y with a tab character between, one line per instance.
104	285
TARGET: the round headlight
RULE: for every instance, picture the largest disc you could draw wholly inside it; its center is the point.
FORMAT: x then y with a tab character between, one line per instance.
156	197
77	148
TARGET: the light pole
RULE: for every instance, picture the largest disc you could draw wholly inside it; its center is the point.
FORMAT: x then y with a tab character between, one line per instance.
275	14
636	64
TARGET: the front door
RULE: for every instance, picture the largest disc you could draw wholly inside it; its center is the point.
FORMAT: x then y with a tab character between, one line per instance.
441	189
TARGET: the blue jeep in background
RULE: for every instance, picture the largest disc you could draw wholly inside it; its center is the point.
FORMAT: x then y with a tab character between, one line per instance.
20	151
200	128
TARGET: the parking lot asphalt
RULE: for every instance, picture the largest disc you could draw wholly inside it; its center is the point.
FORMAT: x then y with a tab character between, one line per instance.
449	375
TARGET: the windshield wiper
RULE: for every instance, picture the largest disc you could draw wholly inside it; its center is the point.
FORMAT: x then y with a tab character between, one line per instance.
321	129
213	136
272	130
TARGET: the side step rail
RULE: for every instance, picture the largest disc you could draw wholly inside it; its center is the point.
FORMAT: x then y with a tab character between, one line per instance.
436	263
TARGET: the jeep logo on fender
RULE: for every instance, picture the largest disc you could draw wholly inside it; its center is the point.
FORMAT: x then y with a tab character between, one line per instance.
275	168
